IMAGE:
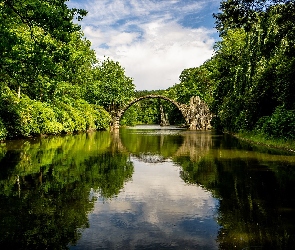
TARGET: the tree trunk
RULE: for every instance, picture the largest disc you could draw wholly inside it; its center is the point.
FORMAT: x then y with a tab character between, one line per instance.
18	92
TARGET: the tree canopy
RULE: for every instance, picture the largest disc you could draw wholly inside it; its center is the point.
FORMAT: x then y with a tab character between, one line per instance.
110	88
243	13
35	40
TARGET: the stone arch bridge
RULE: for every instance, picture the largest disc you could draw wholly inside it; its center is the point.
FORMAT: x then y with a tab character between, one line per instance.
197	114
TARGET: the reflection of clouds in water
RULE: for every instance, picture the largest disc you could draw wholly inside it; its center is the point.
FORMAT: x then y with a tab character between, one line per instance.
156	209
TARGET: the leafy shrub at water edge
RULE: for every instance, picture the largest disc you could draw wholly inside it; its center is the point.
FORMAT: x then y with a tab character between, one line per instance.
26	117
281	124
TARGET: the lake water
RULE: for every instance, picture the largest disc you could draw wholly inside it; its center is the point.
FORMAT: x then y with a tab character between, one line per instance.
147	187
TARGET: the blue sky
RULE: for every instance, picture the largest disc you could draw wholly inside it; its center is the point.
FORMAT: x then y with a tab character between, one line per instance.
154	40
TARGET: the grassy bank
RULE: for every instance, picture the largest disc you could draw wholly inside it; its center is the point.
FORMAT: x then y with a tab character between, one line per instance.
260	139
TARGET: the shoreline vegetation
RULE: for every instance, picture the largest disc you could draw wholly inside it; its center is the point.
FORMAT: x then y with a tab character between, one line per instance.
24	118
262	140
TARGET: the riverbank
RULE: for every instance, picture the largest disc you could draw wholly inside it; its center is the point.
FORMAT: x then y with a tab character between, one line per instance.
258	139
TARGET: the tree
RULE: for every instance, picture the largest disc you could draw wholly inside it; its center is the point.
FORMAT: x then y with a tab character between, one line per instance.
34	38
193	82
242	13
45	66
256	68
110	88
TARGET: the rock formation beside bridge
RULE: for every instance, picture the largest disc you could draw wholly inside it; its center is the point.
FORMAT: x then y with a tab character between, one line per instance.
199	116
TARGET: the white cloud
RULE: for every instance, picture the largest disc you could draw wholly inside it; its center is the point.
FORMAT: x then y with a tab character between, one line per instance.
146	37
156	61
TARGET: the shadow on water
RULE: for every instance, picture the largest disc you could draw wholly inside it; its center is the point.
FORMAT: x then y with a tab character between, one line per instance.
46	184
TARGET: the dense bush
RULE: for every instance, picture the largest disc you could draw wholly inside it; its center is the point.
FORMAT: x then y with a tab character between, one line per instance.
9	111
37	118
101	118
3	130
94	115
281	124
26	117
130	117
81	116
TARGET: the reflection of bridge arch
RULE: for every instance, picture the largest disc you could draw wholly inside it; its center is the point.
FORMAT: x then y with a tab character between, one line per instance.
182	108
195	145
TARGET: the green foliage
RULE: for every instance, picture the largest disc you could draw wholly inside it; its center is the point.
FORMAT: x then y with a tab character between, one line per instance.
110	88
37	118
251	76
139	93
3	130
49	68
193	82
242	13
81	116
40	46
130	117
281	124
26	117
255	72
95	116
147	111
52	16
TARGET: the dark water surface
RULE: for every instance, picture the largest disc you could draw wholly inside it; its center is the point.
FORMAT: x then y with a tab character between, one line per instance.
145	188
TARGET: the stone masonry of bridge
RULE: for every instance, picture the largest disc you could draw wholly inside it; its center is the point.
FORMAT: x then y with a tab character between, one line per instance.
197	114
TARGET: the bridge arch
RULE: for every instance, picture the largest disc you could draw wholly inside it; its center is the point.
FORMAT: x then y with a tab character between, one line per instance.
182	107
197	114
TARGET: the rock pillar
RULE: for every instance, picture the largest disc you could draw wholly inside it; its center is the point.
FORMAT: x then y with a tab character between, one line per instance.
199	115
164	117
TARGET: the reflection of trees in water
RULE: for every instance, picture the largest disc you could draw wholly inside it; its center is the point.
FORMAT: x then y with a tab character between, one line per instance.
253	202
256	195
44	216
255	188
196	144
45	185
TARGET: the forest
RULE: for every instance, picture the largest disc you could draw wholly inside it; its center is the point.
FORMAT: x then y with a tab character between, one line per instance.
52	83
